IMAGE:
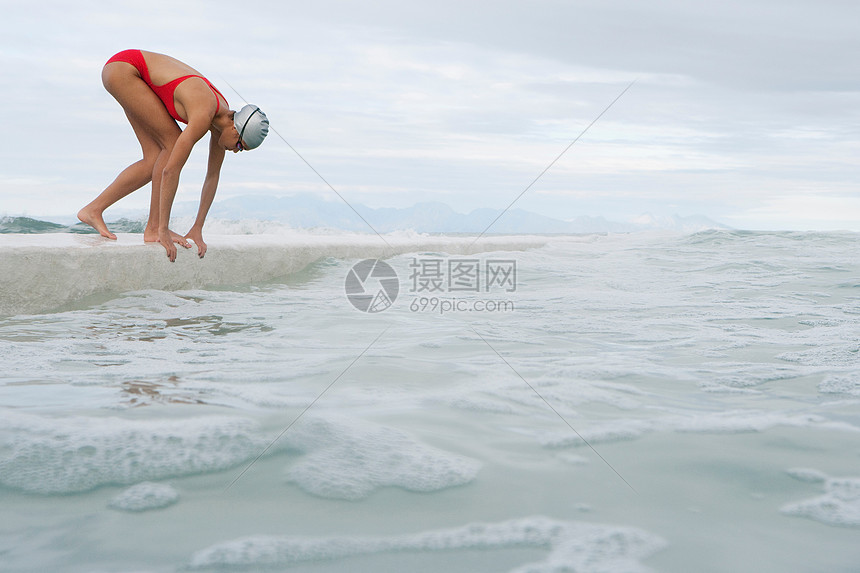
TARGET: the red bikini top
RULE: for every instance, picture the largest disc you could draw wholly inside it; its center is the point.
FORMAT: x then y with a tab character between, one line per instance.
165	93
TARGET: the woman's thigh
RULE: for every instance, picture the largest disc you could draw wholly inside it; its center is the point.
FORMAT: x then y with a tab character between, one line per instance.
152	125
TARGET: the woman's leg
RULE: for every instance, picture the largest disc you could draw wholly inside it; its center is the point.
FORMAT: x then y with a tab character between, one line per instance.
129	180
155	130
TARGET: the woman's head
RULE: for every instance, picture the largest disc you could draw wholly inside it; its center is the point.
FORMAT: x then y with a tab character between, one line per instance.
252	125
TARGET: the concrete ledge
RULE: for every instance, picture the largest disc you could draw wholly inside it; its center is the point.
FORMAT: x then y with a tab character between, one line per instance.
43	272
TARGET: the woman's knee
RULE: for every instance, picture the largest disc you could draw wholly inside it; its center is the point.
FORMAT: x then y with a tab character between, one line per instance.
160	137
161	159
148	161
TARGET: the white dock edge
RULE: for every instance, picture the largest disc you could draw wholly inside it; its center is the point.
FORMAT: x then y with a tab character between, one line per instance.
46	271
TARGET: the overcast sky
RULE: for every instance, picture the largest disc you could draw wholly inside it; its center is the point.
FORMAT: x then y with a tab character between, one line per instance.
744	111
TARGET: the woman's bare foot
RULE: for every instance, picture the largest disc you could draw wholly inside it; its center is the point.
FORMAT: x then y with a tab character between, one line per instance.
151	236
93	218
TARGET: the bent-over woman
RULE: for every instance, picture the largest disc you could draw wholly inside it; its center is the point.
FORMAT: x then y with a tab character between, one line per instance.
156	91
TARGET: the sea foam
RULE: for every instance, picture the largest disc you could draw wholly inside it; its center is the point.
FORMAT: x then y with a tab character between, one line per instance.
74	454
729	422
573	546
847	383
350	460
342	458
145	496
839	505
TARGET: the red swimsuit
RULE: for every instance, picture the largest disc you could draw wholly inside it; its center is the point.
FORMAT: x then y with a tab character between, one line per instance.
164	92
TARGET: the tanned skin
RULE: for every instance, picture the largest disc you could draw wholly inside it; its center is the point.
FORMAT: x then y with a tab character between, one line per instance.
165	147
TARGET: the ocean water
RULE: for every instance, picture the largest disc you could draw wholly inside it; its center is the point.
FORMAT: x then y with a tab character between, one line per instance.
641	402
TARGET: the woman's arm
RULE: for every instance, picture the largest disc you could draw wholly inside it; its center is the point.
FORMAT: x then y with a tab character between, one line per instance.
210	186
196	129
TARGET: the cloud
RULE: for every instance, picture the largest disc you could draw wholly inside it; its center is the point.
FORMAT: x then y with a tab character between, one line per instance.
736	103
806	212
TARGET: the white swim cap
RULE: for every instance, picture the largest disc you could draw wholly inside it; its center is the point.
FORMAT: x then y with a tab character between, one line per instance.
252	125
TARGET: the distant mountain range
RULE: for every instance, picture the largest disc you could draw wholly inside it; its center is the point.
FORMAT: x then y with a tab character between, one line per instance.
306	211
309	211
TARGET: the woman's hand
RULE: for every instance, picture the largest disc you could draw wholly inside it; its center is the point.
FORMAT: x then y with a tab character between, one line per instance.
166	239
196	235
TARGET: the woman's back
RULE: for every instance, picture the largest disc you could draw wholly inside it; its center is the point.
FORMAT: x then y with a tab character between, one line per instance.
164	69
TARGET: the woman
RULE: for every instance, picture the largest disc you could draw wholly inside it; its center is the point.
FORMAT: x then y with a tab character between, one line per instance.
154	90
